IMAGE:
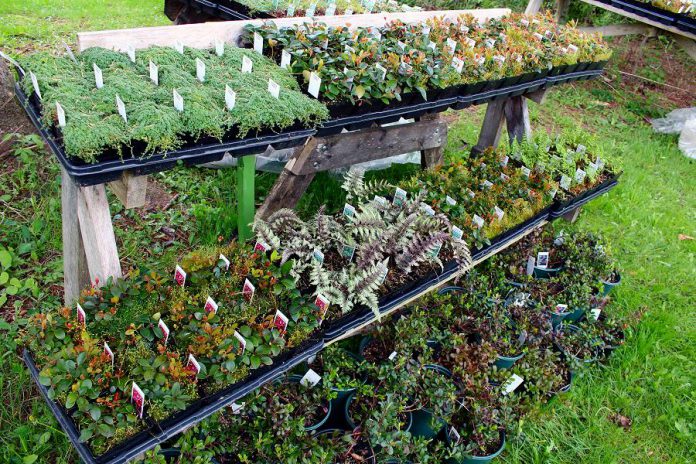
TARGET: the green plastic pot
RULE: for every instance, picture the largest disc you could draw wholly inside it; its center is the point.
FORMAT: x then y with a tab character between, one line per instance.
481	459
557	318
422	422
371	460
575	315
296	379
506	362
609	286
540	273
575	328
351	423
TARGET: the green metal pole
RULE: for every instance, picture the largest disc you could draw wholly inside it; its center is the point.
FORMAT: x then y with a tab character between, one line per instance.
246	169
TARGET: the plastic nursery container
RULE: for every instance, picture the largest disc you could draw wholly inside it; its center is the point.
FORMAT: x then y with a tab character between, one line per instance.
506	362
351	423
562	207
296	379
371	460
541	273
424	423
481	459
608	287
575	328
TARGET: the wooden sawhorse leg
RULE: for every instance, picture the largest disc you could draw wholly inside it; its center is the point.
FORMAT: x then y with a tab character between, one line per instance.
514	112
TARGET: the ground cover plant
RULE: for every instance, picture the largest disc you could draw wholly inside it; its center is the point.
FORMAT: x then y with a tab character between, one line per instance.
401	61
149	121
289	8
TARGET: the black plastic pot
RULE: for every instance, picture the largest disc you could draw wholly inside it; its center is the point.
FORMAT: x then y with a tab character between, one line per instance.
560	208
322	421
608	287
423	419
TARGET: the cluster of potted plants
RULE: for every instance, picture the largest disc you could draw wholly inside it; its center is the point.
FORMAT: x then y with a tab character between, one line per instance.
442	382
105	104
364	68
311	8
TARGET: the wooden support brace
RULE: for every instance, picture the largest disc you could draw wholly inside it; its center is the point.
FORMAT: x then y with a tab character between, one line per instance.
75	270
288	189
561	10
492	126
431	157
130	190
517	117
572	216
513	110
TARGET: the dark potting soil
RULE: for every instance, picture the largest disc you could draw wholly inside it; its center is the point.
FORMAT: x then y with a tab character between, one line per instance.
359	452
378	349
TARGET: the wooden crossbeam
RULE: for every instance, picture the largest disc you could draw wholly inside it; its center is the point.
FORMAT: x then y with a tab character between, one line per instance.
130	190
205	35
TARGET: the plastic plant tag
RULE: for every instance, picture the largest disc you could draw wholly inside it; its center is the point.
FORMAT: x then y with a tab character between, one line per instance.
348	252
580	176
425	30
330	10
451	45
242	342
599	162
561	308
464	29
382	71
154	73
427	209
261	246
318	256
538	36
285	58
98	76
35	84
385	272
81	315
130	50
393	355
478	220
565	182
210	306
291	10
524	22
455	437
511	385
489	42
230	97
525	171
399	196
192	365
450	201
436	250
592	169
224	259
311	10
314	84
165	330
179	276
487	184
553	193
247	64
499	213
457	233
322	304
273	88
348	210
595	312
178	101
504	177
219	47
542	260
200	70
138	399
458	64
432	46
121	108
280	321
237	408
580	148
248	290
310	379
179	47
71	55
471	193
471	43
258	43
504	162
572	48
530	265
381	201
401	45
109	353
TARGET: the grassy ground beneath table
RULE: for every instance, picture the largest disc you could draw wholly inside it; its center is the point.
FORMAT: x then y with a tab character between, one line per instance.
638	408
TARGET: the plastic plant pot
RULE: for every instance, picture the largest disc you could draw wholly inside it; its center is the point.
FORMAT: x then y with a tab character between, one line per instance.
575	315
557	318
296	379
481	459
371	460
351	423
506	362
575	328
424	423
549	272
609	286
172	453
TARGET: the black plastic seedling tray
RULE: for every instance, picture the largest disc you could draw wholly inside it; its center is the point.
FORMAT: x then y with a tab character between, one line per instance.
679	20
563	207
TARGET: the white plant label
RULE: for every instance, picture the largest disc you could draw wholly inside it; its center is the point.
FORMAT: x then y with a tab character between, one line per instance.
489	43
580	176
457	233
261	246
314	84
471	43
98	76
154	73
193	365
450	201
61	115
200	70
224	259
121	109
179	47
471	193
553	193
81	315
248	290
464	29
179	276
458	64
382	71
311	11
381	201
426	30
291	10
454	435
330	10
247	64
70	52
258	43
592	169
561	308
432	46
35	84
237	408
436	250
399	196
109	353
504	162
178	101
348	210
542	260
525	171
131	53
230	98
451	45
242	342
572	48
511	385
504	177
280	321
478	220
530	265
138	398
165	330
348	12
273	88
318	256
285	59
401	45
499	213
595	313
219	47
487	184
310	379
580	148
428	210
210	306
565	182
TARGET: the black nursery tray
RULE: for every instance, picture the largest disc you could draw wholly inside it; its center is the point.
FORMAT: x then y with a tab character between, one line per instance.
648	11
562	207
106	171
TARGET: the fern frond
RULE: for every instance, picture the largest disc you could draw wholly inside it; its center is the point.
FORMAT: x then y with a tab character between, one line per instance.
264	233
353	183
419	250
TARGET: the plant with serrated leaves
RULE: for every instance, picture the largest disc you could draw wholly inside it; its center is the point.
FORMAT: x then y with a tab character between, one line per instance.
357	188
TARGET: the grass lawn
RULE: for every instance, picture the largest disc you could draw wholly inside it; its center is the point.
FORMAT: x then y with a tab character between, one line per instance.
639	408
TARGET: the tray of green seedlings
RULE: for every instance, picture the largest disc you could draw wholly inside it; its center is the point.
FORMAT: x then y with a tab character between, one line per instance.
308	8
103	112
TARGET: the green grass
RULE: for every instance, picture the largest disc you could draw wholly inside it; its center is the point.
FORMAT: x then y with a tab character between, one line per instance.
650	380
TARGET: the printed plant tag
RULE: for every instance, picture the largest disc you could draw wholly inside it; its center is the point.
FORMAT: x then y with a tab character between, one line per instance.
311	10
427	209
322	303
179	47
450	201
499	213
595	313
455	437
200	70
242	342
525	171
470	193
291	10
399	196
258	43
230	97
178	101
580	148
542	260
81	315
478	220
348	252
248	290
280	321
489	42
592	169
393	355
273	88
401	45
210	306
247	64
504	162
464	29
432	46
109	353
580	176
224	259
165	330
425	30
314	84
504	177
35	84
131	53
285	58
237	408
436	250
121	108
471	43
565	182
487	184
382	71
154	73
349	210
451	45
261	246
457	233
310	379
553	193
530	265
561	308
330	10
381	201
192	365
513	382
98	76
71	55
599	162
458	64
318	256
138	399
61	115
219	47
179	276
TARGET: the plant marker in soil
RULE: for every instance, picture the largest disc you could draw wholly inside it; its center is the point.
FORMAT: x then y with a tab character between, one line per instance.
258	43
210	306
261	246
131	53
35	84
310	379
193	365
457	233
478	220
179	47
513	382
542	260
280	321
219	47
322	303
178	101
595	313
200	70
248	290
242	342
314	84
154	73
138	398
224	259
61	115
165	330
121	109
81	315
274	88
108	352
285	59
230	97
180	276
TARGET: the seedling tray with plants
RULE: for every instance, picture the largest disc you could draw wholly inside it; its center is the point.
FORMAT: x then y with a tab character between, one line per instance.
681	14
